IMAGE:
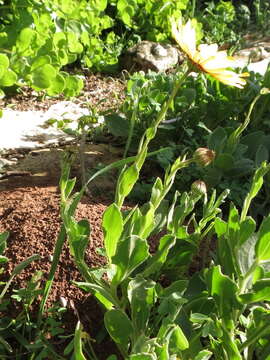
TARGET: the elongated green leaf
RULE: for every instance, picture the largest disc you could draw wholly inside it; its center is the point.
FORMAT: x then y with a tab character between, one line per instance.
78	353
127	180
220	227
256	185
247	228
5	344
178	286
233	226
24	263
203	355
178	340
246	254
141	295
3	241
69	186
4	61
156	191
118	326
224	292
100	292
78	235
142	356
130	253
56	256
262	248
157	260
112	224
230	345
260	292
146	222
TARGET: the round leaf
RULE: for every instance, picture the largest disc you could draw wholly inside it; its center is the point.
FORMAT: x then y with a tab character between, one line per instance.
8	79
4	61
43	76
57	86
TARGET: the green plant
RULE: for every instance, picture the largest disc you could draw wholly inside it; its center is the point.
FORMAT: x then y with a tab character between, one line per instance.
230	311
237	156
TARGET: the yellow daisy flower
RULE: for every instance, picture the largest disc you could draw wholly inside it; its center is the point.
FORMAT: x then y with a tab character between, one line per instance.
207	58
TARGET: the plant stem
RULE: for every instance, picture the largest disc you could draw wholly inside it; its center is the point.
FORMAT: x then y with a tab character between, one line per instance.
256	336
193	8
233	139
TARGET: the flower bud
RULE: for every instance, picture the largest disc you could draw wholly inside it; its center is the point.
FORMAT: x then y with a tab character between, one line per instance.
199	187
203	156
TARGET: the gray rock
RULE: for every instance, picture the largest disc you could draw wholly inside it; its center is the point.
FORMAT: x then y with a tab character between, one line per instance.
149	55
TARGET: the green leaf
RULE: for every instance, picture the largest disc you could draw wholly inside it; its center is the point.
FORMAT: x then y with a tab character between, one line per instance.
44	76
178	340
220	227
25	39
3	241
230	346
262	248
178	286
101	5
233	226
40	61
157	260
73	87
224	291
141	295
60	40
198	318
118	125
78	233
118	326
74	46
4	61
69	186
8	79
78	342
260	292
98	291
217	139
203	355
247	228
262	154
246	254
142	356
127	180
5	344
112	224
156	191
24	263
224	162
130	253
57	85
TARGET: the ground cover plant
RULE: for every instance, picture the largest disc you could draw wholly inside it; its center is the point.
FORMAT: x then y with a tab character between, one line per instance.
155	305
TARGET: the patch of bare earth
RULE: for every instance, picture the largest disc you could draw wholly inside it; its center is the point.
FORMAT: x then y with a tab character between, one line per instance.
29	210
97	87
31	215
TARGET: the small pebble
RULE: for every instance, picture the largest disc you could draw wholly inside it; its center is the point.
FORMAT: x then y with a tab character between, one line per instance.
63	301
